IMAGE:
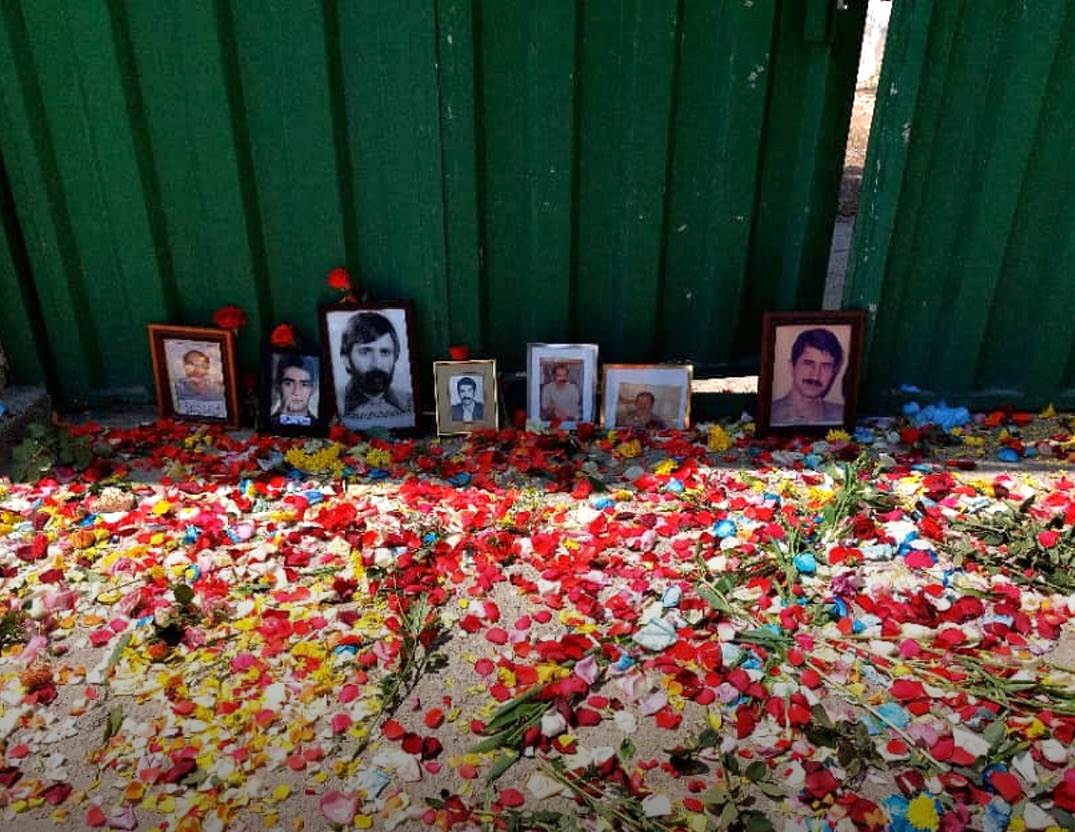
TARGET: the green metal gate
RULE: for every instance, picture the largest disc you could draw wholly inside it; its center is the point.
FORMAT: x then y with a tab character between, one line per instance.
648	175
965	247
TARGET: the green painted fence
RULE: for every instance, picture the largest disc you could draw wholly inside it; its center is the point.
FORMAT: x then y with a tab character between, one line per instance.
965	247
648	175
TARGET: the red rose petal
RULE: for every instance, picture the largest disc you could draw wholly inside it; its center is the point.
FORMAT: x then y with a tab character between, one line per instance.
511	798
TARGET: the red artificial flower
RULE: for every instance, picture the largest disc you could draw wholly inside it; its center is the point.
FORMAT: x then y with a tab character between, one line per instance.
283	336
229	317
459	352
339	279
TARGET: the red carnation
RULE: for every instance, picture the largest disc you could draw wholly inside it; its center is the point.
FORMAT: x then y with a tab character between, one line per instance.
339	279
283	336
229	317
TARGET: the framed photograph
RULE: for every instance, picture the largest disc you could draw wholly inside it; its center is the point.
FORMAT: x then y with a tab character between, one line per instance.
561	383
290	401
370	351
466	396
809	374
647	396
195	373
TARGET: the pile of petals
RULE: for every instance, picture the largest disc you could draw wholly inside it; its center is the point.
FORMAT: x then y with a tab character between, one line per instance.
686	630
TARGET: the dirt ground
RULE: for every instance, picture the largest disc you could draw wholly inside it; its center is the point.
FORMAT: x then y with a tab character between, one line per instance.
855	158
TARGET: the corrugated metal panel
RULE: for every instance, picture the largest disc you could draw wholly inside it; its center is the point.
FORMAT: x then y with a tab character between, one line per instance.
965	247
646	174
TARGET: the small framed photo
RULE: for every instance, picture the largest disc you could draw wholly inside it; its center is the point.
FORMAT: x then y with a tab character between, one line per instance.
466	396
647	396
195	373
290	401
370	350
561	383
809	374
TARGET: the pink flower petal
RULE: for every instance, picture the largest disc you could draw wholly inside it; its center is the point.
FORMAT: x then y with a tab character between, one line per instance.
587	670
339	808
123	819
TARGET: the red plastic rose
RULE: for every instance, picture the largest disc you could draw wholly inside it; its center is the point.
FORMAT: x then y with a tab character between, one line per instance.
282	336
339	279
229	317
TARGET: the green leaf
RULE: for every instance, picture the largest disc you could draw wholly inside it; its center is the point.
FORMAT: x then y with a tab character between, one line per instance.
505	711
195	778
490	743
728	816
501	764
627	749
754	821
183	594
713	599
771	790
714	796
995	732
756	771
121	645
112	725
820	716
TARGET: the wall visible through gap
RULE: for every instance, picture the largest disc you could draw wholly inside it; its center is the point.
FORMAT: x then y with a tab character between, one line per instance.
965	247
646	175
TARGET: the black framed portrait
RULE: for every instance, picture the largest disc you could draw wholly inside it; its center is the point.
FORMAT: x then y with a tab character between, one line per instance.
369	353
291	400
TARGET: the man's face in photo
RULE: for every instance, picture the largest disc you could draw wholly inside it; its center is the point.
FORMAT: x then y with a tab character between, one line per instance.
373	363
560	375
466	392
644	405
196	368
296	387
813	374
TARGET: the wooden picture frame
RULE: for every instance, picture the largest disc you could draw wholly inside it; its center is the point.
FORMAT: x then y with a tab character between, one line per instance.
561	384
454	382
646	396
808	381
195	373
292	391
370	359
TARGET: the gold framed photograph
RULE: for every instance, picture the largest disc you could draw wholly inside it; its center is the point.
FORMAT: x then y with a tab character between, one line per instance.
466	396
195	374
647	396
